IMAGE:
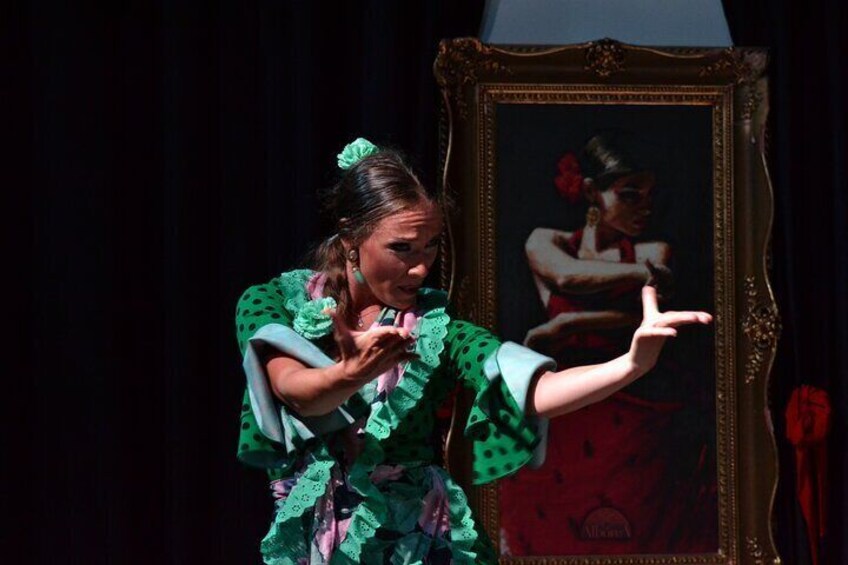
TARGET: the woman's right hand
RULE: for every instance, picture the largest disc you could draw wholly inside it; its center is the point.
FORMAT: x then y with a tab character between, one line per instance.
366	355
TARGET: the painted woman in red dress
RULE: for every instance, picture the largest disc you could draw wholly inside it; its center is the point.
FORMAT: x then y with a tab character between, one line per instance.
614	480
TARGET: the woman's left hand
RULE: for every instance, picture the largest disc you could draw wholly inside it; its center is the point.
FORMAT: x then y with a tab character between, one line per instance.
655	328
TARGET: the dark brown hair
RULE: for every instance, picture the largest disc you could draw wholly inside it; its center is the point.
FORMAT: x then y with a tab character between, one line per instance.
605	159
374	188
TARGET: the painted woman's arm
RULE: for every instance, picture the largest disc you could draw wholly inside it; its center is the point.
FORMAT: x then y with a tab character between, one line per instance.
548	337
563	273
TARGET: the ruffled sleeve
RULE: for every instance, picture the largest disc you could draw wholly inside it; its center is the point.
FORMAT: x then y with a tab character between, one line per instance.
504	437
272	435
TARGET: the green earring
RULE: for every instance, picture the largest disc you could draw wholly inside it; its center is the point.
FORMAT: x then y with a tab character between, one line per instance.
353	257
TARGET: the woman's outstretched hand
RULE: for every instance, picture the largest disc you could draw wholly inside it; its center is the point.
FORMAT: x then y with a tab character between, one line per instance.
366	355
656	327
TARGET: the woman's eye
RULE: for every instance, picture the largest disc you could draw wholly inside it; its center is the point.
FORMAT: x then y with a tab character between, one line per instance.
403	247
629	196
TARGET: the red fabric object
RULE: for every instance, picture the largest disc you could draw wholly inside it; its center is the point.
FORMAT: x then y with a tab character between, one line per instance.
569	181
609	457
807	426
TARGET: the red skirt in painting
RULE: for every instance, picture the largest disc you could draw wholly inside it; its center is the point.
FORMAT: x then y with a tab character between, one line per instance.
609	486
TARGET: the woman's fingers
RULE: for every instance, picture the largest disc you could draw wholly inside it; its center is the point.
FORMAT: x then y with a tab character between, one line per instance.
649	302
350	341
659	331
387	356
388	332
652	315
400	356
669	319
385	342
397	338
379	336
371	353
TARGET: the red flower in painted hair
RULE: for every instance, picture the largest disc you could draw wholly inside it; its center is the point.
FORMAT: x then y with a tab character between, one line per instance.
569	181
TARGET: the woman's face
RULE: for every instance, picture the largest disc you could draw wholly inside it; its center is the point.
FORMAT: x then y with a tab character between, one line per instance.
626	204
397	256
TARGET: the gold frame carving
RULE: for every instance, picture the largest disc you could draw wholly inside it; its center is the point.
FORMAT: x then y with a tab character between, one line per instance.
474	78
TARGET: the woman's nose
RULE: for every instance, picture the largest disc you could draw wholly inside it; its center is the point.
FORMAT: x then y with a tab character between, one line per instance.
419	269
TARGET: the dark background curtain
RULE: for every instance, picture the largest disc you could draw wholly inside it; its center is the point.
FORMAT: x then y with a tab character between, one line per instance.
169	155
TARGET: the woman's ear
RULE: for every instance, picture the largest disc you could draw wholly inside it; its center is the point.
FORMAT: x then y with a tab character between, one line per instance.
590	189
346	243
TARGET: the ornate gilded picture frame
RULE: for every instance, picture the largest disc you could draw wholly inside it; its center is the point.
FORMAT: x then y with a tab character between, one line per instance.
579	172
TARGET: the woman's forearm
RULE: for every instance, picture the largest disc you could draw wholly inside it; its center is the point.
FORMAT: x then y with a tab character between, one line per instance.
549	338
312	391
594	276
561	272
364	356
557	393
568	323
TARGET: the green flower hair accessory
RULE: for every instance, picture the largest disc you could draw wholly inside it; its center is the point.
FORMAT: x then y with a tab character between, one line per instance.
355	151
312	321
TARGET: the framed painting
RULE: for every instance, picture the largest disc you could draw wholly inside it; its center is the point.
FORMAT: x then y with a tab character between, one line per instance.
579	174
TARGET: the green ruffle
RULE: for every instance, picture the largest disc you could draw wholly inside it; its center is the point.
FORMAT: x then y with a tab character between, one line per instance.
463	533
285	543
293	286
503	437
373	511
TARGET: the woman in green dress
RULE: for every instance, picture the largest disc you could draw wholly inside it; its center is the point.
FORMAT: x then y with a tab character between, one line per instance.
347	363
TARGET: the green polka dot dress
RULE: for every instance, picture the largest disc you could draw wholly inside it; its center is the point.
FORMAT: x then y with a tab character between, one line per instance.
362	484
